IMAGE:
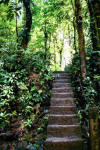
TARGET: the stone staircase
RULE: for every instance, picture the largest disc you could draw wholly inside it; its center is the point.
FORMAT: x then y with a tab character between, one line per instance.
63	131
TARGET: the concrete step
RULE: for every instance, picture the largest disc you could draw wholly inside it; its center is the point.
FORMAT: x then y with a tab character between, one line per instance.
62	90
62	102
68	119
63	110
62	77
62	81
62	95
57	75
66	143
60	72
58	85
64	131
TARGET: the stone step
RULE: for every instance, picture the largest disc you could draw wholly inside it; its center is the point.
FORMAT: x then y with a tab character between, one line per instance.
57	75
57	85
62	102
62	95
66	143
62	90
63	131
68	119
62	81
62	77
60	72
63	110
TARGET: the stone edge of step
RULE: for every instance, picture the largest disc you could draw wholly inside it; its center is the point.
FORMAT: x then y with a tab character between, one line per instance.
63	107
63	139
63	126
63	115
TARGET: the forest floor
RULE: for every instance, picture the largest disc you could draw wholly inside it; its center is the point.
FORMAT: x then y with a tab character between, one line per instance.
18	138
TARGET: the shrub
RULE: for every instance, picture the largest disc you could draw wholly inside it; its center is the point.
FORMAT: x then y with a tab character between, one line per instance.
25	80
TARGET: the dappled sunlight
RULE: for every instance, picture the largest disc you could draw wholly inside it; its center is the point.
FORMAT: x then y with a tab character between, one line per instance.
67	54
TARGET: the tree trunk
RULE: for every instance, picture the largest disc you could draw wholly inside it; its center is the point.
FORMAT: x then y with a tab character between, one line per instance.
54	56
81	40
16	29
92	25
94	9
69	35
16	21
26	34
74	26
45	39
54	47
60	52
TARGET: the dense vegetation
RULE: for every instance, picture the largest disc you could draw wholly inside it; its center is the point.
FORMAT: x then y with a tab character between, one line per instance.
35	37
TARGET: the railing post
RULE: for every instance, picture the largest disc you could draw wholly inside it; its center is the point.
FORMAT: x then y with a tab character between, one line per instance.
94	128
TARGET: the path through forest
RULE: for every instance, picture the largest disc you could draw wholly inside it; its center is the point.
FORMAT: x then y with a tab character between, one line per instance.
63	131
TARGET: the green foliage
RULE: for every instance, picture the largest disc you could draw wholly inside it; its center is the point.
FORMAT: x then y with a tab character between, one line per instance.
19	92
89	92
85	90
28	123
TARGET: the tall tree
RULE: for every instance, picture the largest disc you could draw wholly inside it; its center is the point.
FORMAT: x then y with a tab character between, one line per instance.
81	39
27	28
94	9
92	25
74	26
45	38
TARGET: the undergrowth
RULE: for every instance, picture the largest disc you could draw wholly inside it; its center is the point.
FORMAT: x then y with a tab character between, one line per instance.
25	89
